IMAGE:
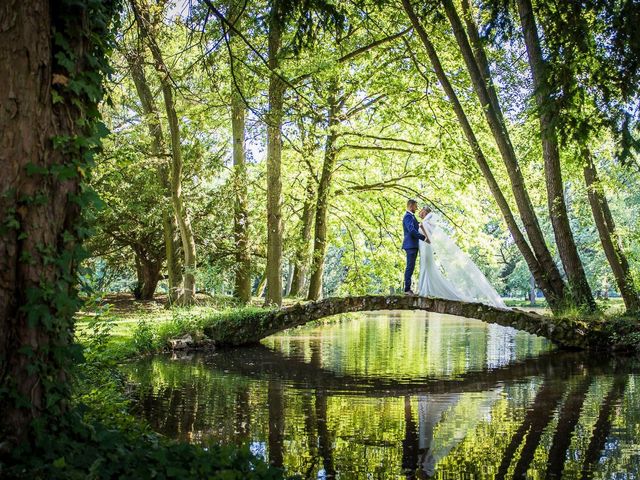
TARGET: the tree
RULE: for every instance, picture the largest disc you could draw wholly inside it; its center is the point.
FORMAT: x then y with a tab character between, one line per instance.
495	120
549	282
551	154
242	286
143	20
135	61
51	66
274	156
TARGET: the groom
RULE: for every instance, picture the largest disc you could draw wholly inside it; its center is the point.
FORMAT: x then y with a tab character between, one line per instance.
410	243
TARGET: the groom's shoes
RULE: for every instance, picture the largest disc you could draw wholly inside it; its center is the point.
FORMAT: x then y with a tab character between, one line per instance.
409	292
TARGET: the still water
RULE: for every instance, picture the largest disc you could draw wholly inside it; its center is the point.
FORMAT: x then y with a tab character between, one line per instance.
404	395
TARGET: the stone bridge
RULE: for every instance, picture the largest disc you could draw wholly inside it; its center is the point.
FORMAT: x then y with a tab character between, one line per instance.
566	333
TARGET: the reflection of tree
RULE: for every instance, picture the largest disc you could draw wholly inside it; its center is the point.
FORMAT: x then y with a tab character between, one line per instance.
603	425
384	428
325	442
537	418
310	428
569	416
275	398
410	441
243	412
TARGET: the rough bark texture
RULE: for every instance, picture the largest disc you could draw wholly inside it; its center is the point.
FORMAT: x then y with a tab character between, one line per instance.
579	287
608	236
274	154
480	56
566	333
547	287
322	203
548	269
38	216
148	275
152	118
182	216
302	251
242	283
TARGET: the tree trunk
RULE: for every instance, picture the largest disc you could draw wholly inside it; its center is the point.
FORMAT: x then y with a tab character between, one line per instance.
548	288
481	57
148	273
135	62
557	206
290	267
302	251
171	243
532	291
40	119
182	216
242	284
274	154
608	235
322	202
262	285
518	187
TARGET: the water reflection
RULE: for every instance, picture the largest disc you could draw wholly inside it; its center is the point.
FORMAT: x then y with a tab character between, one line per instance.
408	395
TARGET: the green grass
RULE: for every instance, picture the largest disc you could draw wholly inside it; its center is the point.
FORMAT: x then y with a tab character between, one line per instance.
126	329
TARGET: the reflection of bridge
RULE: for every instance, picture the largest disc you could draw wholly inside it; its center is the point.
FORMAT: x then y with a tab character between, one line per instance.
563	332
260	362
563	382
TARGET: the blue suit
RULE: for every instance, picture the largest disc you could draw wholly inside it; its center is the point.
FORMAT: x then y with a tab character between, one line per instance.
410	244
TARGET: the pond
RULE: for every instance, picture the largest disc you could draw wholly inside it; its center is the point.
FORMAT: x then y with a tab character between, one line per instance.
404	395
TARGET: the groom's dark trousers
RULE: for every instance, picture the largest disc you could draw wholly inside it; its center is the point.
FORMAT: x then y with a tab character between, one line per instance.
410	245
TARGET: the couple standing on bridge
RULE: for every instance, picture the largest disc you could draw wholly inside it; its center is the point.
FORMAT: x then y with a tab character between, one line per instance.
445	270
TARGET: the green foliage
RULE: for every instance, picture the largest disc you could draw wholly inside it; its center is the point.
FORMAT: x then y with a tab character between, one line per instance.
80	451
142	338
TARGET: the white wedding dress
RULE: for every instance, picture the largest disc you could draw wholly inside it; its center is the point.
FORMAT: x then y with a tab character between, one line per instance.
447	272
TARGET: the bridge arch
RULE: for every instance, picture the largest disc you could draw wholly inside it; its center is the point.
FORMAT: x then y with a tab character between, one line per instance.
563	332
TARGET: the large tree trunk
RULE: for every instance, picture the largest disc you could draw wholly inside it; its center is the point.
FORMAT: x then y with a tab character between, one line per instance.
274	154
242	284
609	236
557	206
135	61
501	136
148	275
322	203
302	251
40	231
549	289
182	216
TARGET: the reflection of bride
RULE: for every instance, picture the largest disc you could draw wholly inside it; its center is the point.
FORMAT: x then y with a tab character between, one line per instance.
447	272
446	420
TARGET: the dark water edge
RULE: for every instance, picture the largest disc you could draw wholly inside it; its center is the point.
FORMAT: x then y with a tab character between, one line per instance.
404	395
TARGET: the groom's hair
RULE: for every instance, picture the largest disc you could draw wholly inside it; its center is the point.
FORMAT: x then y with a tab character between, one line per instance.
411	202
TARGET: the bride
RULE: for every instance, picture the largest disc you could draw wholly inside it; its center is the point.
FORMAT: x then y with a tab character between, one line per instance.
446	271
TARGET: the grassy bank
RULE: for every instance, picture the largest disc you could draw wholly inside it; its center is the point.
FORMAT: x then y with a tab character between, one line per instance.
98	437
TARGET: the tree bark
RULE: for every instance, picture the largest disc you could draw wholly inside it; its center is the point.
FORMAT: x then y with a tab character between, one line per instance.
182	216
152	119
242	283
549	288
518	186
557	206
148	273
40	209
274	160
609	236
302	251
322	202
